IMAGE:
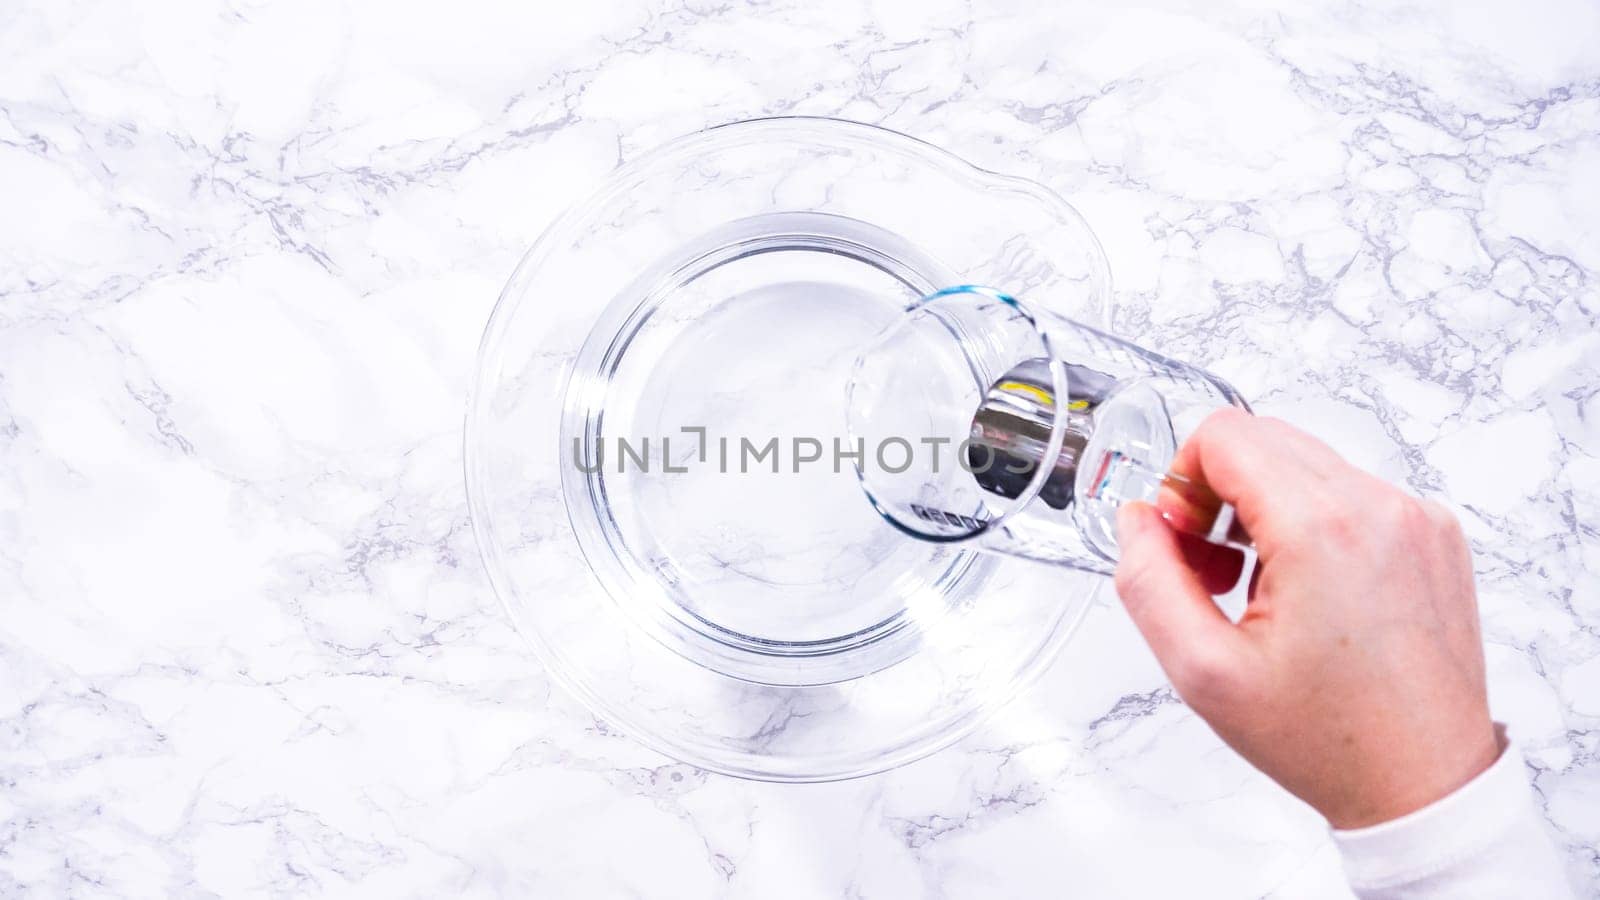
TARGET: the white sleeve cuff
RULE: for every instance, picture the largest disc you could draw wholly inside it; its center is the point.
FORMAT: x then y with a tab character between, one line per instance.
1487	839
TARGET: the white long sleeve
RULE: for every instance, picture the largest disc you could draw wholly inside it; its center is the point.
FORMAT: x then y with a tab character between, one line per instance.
1487	839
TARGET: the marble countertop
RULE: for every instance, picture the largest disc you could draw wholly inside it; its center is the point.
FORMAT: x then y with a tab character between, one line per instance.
246	645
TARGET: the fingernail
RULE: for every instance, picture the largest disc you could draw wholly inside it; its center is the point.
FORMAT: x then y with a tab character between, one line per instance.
1130	519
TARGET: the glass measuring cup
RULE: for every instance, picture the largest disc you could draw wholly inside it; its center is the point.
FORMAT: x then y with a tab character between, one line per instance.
980	419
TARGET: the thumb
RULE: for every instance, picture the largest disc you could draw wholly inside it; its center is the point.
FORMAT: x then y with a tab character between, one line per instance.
1191	638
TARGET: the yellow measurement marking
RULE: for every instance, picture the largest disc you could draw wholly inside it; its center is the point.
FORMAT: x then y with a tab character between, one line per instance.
1040	394
1034	391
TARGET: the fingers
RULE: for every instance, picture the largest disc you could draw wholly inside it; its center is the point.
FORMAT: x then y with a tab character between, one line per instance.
1269	470
1216	566
1172	606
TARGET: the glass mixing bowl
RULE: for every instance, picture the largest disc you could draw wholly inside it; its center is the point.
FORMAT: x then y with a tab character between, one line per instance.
658	463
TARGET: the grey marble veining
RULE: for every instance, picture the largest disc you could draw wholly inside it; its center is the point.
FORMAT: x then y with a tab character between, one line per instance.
249	247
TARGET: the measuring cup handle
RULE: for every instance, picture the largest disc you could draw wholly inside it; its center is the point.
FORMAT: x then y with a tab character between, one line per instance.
1188	506
1199	511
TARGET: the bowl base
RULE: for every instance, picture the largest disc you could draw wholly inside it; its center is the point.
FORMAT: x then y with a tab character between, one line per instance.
733	521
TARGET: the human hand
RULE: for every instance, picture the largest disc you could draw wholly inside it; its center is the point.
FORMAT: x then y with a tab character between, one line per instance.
1355	678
